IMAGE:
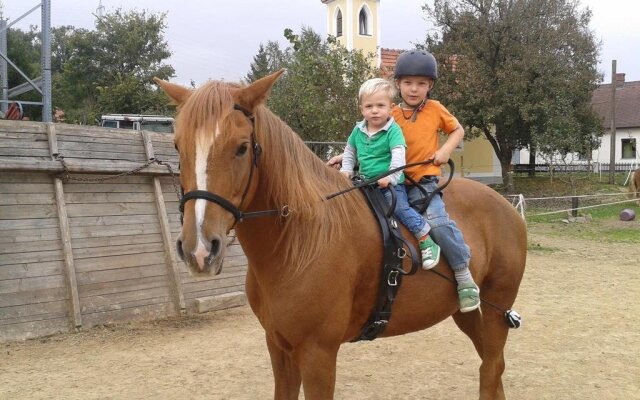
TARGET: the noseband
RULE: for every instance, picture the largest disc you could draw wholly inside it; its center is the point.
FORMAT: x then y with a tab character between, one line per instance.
237	213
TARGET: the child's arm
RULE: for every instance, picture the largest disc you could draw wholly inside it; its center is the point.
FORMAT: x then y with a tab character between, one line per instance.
442	155
397	160
348	160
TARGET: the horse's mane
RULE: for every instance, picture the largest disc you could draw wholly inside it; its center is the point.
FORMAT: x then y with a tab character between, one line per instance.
300	179
291	175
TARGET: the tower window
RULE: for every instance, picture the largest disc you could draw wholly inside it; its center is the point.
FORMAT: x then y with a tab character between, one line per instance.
363	22
339	24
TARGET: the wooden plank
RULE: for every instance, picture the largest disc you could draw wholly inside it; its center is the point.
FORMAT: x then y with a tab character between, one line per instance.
69	263
24	188
27	247
117	250
115	230
83	243
71	137
25	142
33	312
33	297
106	188
4	135
119	262
91	132
29	270
120	275
170	257
141	313
70	148
220	302
65	237
26	177
10	152
109	220
21	126
26	199
28	223
29	235
28	211
74	198
31	256
104	209
30	284
103	288
142	297
80	165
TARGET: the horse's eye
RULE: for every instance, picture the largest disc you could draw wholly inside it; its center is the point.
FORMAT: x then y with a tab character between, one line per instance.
242	149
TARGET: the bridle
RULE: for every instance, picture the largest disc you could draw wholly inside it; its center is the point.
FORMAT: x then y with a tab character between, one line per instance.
236	211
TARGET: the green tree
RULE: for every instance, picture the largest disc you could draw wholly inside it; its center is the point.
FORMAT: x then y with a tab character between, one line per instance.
269	59
318	95
519	72
109	69
23	49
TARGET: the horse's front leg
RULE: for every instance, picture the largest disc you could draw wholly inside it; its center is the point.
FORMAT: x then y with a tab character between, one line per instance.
285	373
318	369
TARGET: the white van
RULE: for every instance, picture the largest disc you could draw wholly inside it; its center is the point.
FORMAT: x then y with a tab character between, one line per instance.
156	123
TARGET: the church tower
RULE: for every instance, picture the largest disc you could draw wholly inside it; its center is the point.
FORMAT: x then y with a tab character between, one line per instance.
356	25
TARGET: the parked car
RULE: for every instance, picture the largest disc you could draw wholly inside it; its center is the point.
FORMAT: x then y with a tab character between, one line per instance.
156	123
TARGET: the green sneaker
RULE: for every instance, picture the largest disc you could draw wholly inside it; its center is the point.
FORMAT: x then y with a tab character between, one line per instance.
468	296
430	253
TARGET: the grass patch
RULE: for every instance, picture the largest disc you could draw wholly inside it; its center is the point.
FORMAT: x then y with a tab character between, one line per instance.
604	224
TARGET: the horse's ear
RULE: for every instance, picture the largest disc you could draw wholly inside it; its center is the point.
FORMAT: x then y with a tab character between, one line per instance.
257	92
178	94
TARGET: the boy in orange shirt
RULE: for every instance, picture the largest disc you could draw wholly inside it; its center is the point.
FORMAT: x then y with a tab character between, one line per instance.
420	119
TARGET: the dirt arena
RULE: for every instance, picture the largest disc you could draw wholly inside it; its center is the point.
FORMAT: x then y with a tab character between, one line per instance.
580	300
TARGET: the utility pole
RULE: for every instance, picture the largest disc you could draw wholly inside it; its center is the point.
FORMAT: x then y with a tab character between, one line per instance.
612	153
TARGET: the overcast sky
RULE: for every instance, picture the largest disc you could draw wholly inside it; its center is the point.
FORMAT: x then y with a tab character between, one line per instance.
218	39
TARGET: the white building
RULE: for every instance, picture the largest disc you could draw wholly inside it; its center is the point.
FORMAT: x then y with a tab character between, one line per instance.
627	120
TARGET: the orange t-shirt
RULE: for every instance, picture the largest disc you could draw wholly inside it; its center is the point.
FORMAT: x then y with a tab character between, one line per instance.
422	135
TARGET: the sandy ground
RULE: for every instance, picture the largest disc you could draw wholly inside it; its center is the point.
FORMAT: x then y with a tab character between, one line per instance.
580	340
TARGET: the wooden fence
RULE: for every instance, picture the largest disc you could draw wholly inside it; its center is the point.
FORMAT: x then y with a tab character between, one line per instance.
85	251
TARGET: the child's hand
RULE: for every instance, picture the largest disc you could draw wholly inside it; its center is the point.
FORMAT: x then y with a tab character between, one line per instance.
335	161
384	182
441	157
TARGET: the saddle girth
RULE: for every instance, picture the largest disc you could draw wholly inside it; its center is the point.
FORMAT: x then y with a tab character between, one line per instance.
395	247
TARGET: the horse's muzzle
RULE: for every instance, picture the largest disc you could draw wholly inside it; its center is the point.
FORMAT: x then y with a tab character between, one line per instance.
205	258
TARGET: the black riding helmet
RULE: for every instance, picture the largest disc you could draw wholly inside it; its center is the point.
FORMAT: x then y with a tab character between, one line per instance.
416	63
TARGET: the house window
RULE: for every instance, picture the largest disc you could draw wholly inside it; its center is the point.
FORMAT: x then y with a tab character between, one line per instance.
363	23
629	148
339	24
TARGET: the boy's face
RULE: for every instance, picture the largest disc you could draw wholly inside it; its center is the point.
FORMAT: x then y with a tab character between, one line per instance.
414	89
376	109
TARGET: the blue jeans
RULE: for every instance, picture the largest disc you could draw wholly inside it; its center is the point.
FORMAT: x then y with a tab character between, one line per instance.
404	213
444	231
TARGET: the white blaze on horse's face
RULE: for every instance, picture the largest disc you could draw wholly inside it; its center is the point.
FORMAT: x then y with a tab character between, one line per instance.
204	143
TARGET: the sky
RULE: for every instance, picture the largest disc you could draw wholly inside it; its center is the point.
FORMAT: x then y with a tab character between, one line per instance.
217	39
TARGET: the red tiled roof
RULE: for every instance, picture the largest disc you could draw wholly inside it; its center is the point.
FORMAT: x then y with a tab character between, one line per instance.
627	104
388	58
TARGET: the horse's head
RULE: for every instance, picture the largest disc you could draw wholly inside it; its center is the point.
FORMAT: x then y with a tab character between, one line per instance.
216	140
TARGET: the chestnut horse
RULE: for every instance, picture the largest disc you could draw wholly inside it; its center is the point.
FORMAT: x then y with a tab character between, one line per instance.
314	268
634	185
